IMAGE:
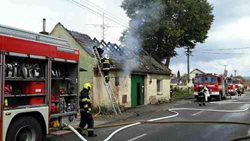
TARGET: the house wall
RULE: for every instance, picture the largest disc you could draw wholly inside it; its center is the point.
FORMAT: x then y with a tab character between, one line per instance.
192	76
101	97
151	94
86	61
123	90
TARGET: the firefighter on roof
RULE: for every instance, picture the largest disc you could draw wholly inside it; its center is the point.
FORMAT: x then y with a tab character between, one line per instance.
85	110
106	67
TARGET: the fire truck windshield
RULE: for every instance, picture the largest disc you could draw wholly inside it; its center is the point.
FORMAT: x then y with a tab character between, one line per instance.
206	79
229	81
236	82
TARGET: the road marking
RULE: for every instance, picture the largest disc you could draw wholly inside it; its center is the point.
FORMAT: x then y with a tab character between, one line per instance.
229	102
208	110
197	113
248	132
135	138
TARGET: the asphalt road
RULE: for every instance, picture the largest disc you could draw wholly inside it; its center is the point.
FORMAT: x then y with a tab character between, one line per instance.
187	131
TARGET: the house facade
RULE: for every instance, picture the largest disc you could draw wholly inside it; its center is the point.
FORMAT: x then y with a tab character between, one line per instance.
192	75
147	83
133	89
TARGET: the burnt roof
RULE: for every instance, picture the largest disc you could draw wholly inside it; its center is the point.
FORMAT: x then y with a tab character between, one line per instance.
121	55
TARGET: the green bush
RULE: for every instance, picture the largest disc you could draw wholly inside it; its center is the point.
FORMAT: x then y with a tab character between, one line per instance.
178	93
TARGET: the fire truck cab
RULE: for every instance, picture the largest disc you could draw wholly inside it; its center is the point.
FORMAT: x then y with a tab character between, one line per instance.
239	85
216	85
235	86
39	84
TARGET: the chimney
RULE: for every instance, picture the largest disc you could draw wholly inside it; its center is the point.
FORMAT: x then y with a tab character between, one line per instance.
44	28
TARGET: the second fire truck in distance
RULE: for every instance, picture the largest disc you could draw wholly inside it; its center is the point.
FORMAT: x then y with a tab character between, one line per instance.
235	86
214	83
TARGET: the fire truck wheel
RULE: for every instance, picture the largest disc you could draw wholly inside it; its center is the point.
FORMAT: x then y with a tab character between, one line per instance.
25	129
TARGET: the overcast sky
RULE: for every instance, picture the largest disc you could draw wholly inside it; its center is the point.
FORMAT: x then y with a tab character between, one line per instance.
231	28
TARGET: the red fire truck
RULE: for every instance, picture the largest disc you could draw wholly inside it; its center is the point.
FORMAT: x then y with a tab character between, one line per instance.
239	85
39	84
216	85
235	86
231	86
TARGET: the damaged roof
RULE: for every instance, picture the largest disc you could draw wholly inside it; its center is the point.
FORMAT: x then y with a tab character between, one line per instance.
84	40
138	61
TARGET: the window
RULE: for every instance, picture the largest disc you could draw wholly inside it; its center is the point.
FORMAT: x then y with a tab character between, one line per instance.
159	86
124	99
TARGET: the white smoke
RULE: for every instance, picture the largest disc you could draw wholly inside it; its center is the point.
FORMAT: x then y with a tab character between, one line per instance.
132	39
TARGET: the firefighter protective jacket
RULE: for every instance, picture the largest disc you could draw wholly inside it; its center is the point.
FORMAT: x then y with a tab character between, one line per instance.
105	64
84	101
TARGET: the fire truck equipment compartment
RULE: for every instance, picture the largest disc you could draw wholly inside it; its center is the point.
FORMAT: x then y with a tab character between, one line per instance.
33	88
36	100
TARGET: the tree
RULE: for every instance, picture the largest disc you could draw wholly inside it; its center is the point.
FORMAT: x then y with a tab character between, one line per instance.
178	75
161	26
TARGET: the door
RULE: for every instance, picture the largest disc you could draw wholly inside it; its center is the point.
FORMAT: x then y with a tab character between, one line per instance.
137	95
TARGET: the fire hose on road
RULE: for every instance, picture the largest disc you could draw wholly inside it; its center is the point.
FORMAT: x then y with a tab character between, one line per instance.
76	132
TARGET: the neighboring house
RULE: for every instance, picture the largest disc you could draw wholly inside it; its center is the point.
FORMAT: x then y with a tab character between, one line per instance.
174	82
240	77
192	75
146	82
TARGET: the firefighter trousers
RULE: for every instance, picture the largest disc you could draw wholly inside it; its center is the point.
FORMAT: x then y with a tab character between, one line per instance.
106	75
87	119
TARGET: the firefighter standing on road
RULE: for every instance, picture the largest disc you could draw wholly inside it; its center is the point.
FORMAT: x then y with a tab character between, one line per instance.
106	67
85	110
203	95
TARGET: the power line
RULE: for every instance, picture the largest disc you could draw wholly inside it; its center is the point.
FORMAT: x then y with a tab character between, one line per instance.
97	13
223	49
230	53
102	10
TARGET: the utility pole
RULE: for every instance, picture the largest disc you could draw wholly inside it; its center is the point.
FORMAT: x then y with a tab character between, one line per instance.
188	53
235	71
103	27
225	71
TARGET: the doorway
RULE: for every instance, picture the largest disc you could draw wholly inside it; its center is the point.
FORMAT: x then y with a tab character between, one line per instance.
137	86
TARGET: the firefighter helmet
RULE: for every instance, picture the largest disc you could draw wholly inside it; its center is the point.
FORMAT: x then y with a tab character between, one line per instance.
87	86
106	56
